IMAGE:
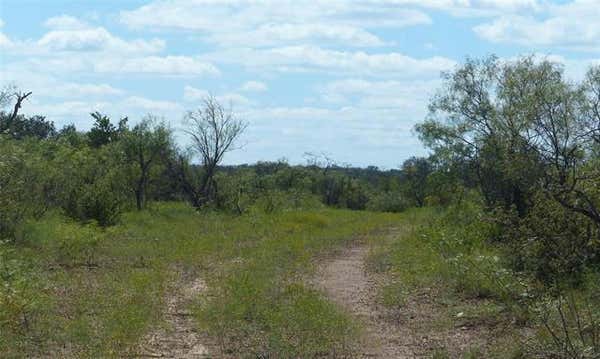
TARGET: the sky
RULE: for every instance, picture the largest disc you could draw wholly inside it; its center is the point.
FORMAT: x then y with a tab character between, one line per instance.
346	78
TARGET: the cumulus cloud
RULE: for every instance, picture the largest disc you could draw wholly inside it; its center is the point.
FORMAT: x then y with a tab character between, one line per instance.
573	25
312	58
165	65
409	96
477	8
138	102
96	39
73	45
192	94
254	86
4	41
83	90
65	22
274	34
68	33
270	23
235	100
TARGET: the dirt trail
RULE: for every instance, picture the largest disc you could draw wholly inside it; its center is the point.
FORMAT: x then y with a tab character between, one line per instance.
407	332
345	280
178	338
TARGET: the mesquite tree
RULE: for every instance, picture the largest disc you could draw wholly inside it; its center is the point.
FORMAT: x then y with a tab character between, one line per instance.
214	131
144	145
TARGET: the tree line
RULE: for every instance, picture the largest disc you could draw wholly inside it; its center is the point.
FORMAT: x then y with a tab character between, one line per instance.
97	174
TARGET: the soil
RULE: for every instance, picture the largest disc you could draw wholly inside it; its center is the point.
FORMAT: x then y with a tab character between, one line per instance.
178	338
405	332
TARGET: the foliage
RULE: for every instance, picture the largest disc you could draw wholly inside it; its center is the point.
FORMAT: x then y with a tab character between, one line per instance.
144	145
214	132
258	304
415	172
388	202
103	131
26	188
20	293
101	305
94	185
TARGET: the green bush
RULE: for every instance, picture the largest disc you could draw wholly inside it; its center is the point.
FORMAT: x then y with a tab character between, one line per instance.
387	202
555	245
95	188
20	294
26	185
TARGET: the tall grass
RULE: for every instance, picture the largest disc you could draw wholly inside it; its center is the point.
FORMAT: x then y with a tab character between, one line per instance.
82	291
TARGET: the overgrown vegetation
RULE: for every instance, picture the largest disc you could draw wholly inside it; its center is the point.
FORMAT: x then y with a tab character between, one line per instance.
78	290
92	225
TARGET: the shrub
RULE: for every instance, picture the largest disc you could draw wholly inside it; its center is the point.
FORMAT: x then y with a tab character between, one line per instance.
94	185
387	202
555	245
20	293
25	186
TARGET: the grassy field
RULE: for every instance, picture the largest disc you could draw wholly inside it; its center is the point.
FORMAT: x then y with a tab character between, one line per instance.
78	290
452	283
73	290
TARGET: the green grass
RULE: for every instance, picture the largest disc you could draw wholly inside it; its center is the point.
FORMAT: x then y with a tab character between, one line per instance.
77	290
444	256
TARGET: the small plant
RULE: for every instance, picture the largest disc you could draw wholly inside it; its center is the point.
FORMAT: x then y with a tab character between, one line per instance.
570	326
77	245
19	293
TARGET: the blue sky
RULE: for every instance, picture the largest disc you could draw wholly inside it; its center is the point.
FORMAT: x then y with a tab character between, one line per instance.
348	78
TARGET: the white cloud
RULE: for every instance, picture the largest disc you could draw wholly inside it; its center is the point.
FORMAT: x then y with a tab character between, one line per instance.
409	96
270	23
192	94
235	100
167	65
85	90
574	26
254	86
137	102
5	41
77	38
44	85
273	34
74	46
65	22
478	8
96	39
312	58
77	111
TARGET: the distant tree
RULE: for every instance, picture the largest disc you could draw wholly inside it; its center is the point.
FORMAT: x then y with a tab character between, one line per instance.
144	144
19	98
73	137
8	94
415	173
214	131
35	126
103	131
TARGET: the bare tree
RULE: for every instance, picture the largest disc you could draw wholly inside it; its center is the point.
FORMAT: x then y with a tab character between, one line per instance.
20	97
6	96
214	131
